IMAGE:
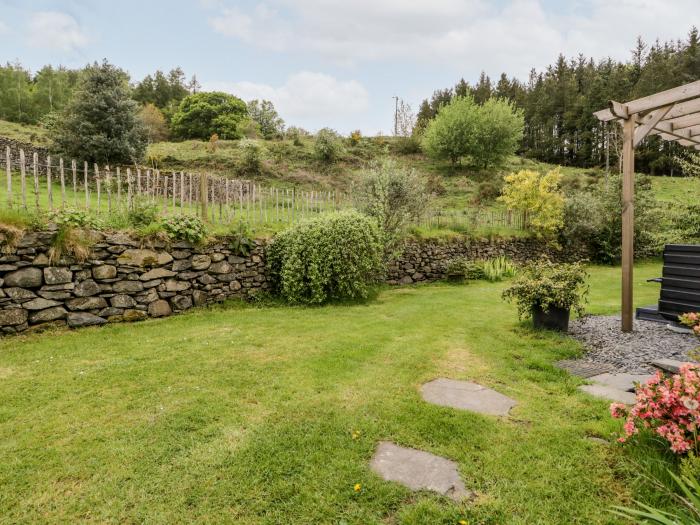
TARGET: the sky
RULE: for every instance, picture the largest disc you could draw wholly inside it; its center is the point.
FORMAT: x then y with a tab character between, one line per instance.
333	63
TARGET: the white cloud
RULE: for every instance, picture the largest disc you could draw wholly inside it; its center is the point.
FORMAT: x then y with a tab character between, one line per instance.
466	34
306	97
55	30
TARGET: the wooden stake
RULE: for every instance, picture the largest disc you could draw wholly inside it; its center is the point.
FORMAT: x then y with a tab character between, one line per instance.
35	169
48	182
203	191
628	225
8	168
119	187
86	185
129	190
182	190
74	170
63	182
99	192
23	177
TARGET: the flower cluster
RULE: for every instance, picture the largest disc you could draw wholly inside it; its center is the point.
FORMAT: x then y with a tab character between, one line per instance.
669	406
692	321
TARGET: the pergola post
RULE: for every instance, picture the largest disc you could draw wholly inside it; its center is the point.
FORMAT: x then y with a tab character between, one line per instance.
628	225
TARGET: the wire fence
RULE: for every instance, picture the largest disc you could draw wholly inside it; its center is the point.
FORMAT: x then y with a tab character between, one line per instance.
50	183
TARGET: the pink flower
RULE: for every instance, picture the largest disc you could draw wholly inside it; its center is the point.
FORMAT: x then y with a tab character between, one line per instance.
668	406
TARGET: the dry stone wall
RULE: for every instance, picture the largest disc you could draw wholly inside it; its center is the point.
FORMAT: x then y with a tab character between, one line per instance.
121	281
425	260
15	146
124	281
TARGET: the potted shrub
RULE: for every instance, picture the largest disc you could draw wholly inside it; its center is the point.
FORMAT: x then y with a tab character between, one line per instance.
456	269
548	292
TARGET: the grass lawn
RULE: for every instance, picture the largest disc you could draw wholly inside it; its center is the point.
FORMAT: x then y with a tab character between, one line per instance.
246	415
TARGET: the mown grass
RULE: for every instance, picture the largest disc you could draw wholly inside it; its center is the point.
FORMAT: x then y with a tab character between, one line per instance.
246	415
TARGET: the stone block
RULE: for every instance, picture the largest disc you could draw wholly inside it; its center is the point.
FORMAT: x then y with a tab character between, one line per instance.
40	304
57	275
104	271
157	273
25	278
19	295
201	262
80	319
127	287
87	288
86	303
49	314
159	308
122	301
13	316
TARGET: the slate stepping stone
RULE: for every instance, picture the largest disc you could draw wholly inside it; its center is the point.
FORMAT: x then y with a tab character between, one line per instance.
622	381
609	393
671	366
466	396
419	470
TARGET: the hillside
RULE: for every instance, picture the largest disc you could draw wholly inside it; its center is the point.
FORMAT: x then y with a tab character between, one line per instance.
286	164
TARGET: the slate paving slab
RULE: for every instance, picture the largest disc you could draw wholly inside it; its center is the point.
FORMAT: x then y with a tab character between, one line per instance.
464	395
419	470
622	381
609	393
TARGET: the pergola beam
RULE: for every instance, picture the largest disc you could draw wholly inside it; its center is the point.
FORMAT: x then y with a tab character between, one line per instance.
664	98
654	118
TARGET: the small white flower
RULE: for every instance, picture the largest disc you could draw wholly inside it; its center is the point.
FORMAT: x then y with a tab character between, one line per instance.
691	404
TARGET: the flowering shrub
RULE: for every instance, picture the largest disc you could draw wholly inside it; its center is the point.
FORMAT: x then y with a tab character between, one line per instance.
692	321
668	406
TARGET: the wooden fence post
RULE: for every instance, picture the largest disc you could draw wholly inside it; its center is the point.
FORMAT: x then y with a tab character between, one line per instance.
35	169
63	182
203	193
23	177
99	188
86	185
8	167
74	169
49	184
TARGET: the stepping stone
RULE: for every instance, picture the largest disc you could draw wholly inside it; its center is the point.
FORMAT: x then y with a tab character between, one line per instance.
609	393
582	368
466	396
621	381
669	365
419	470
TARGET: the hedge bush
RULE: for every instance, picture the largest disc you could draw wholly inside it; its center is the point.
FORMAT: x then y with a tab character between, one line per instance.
335	256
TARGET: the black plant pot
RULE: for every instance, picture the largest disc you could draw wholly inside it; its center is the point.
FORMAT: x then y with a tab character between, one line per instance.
554	319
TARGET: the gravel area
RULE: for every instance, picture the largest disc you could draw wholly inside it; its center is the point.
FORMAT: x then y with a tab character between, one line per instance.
632	352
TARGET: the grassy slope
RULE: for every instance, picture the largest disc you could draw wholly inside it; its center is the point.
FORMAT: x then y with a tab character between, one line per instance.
23	132
246	415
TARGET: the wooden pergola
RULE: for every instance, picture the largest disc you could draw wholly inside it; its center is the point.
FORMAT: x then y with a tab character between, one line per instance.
673	115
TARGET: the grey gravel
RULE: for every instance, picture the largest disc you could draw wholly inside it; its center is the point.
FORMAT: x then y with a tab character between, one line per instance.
631	352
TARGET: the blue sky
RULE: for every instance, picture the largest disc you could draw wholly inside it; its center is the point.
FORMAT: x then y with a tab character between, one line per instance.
333	63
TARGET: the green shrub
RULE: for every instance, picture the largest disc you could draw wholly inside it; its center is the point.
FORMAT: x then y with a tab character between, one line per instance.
545	284
73	218
485	134
251	157
328	147
593	218
456	269
188	228
487	191
242	242
394	196
498	268
335	256
142	213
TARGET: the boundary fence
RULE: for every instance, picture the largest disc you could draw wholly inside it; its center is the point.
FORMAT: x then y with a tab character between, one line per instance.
50	183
